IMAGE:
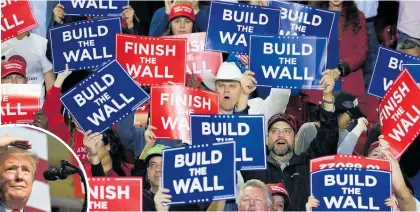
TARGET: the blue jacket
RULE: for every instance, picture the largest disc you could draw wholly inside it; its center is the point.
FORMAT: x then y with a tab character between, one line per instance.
133	137
160	21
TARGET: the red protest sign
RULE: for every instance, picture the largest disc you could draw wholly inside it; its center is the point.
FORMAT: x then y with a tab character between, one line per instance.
171	107
16	18
116	194
142	114
78	189
152	61
19	102
199	60
348	161
399	113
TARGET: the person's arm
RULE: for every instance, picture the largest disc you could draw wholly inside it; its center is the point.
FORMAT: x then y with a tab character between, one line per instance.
326	140
159	24
306	134
350	141
91	141
131	136
202	18
49	78
356	60
97	170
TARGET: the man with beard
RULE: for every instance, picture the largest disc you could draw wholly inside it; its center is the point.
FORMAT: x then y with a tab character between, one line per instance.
291	169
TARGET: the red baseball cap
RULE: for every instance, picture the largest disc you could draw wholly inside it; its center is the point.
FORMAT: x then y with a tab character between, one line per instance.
182	10
13	66
279	188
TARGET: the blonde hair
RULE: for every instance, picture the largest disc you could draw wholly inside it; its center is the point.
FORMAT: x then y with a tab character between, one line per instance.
18	152
256	184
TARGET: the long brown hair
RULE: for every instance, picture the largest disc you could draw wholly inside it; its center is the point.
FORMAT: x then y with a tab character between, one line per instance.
350	13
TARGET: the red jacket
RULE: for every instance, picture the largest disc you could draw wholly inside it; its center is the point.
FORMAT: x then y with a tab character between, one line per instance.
353	51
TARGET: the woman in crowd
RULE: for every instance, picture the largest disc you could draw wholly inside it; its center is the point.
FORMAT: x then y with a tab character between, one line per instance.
106	153
353	38
181	20
162	17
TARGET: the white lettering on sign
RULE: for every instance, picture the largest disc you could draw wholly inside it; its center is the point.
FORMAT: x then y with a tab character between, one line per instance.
287	48
186	100
243	17
234	38
194	69
179	123
244	157
196	184
222	128
270	72
349	180
195	46
8	24
98	205
85	32
410	119
97	4
349	202
93	89
147	71
7	2
300	16
110	192
393	63
150	49
8	109
394	100
197	159
86	54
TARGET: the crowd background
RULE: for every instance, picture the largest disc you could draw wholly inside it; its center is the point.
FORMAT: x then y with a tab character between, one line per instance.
128	150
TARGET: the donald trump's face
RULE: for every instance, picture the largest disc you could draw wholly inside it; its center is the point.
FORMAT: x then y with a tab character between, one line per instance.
16	179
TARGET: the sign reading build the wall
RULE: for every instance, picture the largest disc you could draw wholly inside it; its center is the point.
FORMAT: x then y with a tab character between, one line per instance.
94	7
399	113
231	25
19	103
246	131
200	173
301	20
16	18
288	62
388	66
85	44
153	61
104	98
350	183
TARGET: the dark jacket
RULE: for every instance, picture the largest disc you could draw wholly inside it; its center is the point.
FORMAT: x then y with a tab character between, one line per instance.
148	202
296	174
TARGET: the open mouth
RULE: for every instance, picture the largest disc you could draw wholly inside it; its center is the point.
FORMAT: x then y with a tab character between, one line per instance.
280	143
226	97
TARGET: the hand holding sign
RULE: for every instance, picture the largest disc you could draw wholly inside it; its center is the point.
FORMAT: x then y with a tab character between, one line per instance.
91	141
327	81
40	120
9	140
150	136
61	77
58	13
162	199
128	15
168	6
312	203
248	82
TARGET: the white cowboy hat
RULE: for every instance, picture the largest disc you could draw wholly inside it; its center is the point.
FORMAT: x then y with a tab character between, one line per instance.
227	71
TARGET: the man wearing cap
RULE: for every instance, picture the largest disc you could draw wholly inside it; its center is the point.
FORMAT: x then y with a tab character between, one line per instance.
347	110
152	165
14	72
280	196
291	169
234	89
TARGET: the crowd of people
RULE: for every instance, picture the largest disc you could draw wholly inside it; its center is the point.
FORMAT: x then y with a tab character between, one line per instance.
301	125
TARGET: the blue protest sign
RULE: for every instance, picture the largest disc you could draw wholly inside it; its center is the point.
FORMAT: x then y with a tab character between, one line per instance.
231	25
288	62
104	98
387	67
85	44
351	189
246	131
302	20
93	7
414	70
200	173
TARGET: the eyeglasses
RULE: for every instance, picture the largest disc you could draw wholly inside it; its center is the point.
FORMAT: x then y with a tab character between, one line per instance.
155	166
286	131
